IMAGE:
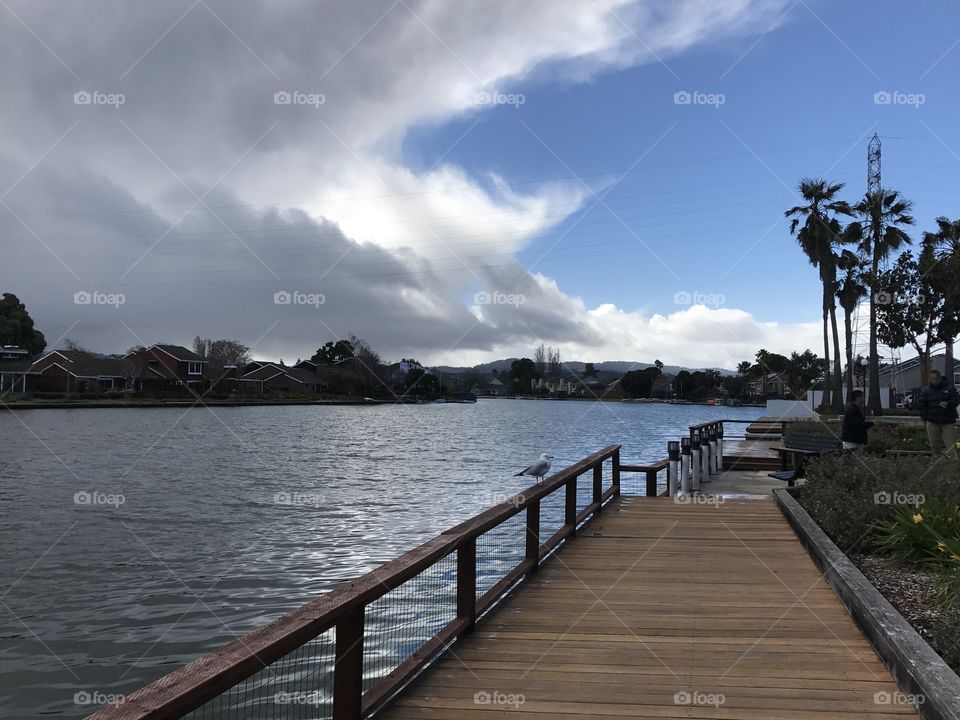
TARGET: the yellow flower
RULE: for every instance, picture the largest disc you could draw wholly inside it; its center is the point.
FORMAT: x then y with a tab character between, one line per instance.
918	518
955	558
941	547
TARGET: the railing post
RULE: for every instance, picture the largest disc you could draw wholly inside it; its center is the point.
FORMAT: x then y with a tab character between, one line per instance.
651	483
685	479
615	473
673	464
598	485
533	533
348	667
704	456
570	505
695	460
712	435
720	446
467	583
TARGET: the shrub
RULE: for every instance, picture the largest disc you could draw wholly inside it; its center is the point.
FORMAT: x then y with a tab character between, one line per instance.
921	533
849	494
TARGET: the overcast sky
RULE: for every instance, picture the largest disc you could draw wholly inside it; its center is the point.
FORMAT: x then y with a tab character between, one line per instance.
455	181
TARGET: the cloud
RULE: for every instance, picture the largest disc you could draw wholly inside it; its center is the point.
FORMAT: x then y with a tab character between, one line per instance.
221	152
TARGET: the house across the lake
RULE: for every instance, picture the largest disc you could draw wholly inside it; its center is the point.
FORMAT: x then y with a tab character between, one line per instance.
16	377
166	369
83	373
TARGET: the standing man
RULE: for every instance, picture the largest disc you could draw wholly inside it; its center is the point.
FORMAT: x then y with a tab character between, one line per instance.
855	424
938	410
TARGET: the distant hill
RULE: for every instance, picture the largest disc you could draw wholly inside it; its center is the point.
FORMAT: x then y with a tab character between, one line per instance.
607	367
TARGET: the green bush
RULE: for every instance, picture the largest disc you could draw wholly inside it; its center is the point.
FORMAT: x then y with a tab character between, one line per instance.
849	495
920	533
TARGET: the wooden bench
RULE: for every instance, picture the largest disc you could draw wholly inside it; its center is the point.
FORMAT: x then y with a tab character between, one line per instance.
800	447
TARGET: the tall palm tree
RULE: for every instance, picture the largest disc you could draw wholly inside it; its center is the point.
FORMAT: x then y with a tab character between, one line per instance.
818	235
940	262
743	368
883	214
850	291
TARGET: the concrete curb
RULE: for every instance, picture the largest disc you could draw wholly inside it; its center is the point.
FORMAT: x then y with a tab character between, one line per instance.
912	662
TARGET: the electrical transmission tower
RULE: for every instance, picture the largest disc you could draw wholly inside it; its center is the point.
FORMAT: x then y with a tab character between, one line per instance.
861	329
873	164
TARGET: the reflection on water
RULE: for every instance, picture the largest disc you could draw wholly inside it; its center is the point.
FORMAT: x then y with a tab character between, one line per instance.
134	540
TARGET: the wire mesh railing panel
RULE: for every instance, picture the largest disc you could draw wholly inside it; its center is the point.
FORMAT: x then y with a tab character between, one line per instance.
635	482
500	550
552	514
298	686
402	621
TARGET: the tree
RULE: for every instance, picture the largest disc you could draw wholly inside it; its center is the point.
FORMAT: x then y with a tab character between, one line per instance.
553	361
333	352
770	362
819	234
743	368
201	347
908	308
221	353
522	372
639	383
540	359
802	371
16	326
589	370
883	214
69	344
851	289
940	263
659	365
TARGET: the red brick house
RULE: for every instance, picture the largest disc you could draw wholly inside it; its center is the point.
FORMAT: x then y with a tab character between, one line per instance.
83	373
259	378
169	369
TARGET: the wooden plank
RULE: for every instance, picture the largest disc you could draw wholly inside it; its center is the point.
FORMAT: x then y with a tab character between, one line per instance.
653	599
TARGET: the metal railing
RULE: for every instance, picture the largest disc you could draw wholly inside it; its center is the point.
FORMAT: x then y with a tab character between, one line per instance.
345	654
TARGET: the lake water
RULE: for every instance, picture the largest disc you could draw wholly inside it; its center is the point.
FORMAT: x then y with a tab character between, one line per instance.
134	540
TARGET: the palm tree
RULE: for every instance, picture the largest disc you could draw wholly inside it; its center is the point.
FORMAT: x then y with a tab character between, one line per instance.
743	368
940	261
850	291
883	213
818	236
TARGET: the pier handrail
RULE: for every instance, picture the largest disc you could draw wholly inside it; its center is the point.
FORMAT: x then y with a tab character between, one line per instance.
343	609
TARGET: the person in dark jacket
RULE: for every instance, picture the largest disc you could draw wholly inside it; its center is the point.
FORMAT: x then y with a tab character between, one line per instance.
938	410
855	423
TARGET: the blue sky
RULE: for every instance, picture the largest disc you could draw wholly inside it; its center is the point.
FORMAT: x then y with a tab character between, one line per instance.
797	101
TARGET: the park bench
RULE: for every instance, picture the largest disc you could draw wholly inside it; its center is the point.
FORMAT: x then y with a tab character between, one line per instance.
800	447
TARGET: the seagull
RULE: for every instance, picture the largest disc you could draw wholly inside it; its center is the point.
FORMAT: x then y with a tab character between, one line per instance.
540	468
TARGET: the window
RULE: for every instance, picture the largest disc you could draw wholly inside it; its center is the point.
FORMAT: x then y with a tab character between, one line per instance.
194	368
956	378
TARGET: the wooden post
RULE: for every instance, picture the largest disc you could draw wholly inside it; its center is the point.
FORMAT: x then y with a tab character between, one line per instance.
720	446
570	505
651	483
685	479
704	456
348	667
598	485
712	437
695	460
616	472
673	467
467	583
533	533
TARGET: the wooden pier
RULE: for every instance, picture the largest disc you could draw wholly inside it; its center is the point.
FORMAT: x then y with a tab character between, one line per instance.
589	596
663	610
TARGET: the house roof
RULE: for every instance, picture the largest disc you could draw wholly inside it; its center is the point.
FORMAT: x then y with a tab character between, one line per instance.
179	352
80	363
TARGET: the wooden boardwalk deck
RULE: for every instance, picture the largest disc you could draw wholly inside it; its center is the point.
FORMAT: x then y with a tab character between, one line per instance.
660	610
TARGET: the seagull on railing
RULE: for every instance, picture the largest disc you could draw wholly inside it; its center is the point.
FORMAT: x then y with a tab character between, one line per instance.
540	468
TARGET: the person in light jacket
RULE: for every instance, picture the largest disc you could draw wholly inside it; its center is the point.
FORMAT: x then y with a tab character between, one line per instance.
855	423
938	410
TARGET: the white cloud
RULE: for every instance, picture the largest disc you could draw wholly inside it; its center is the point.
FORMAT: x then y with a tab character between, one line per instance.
378	238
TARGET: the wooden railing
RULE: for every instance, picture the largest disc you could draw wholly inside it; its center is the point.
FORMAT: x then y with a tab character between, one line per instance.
343	613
